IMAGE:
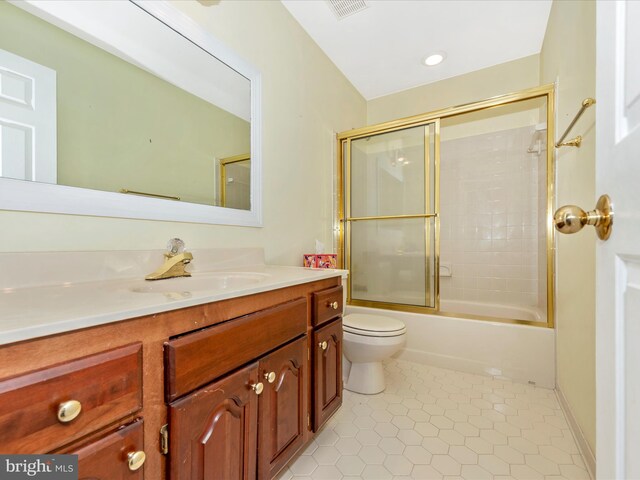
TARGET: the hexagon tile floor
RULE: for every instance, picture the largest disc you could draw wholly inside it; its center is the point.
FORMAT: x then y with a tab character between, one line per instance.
432	423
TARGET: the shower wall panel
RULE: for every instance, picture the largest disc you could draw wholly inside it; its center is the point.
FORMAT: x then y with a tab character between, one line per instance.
489	224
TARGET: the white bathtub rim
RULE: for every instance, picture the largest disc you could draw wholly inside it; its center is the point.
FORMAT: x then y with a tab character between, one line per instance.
381	311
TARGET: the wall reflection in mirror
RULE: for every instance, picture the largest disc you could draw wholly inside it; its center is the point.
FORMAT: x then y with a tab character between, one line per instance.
74	114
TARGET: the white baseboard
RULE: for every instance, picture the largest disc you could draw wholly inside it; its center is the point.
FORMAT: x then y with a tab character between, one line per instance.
581	441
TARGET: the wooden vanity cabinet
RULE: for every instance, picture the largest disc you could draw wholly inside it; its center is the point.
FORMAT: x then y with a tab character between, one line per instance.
192	373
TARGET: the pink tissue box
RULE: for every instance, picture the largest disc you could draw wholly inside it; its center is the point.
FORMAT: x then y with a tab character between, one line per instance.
320	260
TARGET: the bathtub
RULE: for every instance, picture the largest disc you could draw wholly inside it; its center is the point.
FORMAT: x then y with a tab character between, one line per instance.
463	307
517	352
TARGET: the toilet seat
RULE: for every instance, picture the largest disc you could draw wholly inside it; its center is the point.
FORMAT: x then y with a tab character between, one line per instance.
373	325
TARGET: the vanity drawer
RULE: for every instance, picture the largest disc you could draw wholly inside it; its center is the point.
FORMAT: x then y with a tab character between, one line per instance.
327	304
200	357
108	387
116	456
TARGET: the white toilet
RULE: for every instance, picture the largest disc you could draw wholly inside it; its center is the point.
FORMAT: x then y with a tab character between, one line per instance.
367	341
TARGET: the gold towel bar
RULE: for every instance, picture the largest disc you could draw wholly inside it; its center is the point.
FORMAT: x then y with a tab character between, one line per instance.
145	194
575	142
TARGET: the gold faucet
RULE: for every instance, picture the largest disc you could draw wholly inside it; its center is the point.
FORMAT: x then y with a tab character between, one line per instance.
175	261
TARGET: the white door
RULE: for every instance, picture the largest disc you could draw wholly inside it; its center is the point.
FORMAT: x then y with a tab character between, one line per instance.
27	120
618	259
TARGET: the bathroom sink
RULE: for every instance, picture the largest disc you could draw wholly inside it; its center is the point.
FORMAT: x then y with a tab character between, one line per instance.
200	282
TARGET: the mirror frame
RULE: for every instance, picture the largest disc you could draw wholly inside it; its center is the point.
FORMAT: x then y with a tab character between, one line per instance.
21	195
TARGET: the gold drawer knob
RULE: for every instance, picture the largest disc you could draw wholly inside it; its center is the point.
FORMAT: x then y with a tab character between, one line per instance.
270	376
136	460
257	387
69	410
323	345
333	305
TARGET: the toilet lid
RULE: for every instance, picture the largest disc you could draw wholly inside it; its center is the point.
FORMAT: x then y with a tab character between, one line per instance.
373	325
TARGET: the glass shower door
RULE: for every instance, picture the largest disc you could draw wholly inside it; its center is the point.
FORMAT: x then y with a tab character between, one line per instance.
391	218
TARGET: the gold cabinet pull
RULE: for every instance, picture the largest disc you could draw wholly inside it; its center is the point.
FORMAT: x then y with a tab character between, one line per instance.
571	218
323	345
69	410
257	387
270	376
333	305
135	460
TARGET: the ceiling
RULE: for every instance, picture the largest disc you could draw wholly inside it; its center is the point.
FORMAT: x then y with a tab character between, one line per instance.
380	49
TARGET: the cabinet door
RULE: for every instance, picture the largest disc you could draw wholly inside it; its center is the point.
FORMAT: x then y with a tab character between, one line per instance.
213	431
282	406
327	371
116	456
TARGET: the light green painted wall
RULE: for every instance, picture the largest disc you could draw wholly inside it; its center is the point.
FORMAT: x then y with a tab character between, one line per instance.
569	56
120	126
471	87
306	99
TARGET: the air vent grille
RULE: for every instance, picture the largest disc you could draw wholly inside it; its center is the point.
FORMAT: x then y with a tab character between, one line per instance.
344	8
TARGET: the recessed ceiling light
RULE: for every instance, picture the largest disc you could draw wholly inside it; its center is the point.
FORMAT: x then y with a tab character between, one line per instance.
433	59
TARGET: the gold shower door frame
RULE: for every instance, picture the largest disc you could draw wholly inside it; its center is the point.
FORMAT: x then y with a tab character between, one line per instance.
223	173
429	213
344	220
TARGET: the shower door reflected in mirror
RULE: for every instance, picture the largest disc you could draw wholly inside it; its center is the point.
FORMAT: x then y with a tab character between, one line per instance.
235	182
391	217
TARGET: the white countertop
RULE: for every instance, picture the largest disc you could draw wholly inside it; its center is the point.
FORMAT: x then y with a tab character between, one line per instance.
32	311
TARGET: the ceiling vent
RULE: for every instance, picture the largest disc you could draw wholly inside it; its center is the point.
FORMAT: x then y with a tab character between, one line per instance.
343	8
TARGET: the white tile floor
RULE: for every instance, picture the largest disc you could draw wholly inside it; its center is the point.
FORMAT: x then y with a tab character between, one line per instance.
432	423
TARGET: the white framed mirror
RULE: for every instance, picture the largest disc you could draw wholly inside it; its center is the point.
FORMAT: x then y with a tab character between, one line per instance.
123	109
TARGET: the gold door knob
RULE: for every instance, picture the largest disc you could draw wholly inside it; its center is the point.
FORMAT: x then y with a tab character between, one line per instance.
257	387
571	218
333	305
69	410
135	460
270	376
323	345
